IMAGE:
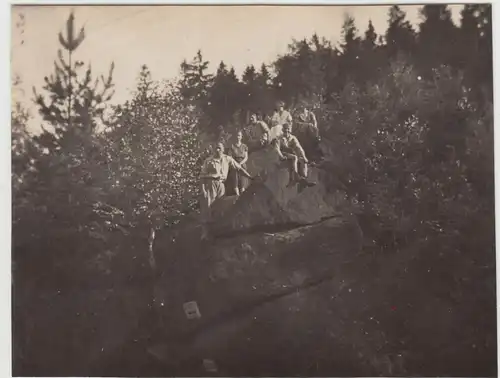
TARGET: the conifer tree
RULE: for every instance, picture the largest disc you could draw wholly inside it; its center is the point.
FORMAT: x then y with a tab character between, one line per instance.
475	56
437	39
74	101
195	81
400	36
350	56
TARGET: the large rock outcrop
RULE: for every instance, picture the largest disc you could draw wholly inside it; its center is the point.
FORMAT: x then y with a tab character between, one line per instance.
266	246
270	202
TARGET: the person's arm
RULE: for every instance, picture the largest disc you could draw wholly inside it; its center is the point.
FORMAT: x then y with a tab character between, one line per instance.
314	122
203	173
276	145
203	187
237	166
264	127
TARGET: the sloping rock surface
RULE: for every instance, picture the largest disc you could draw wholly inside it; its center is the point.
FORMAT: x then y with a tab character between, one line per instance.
266	246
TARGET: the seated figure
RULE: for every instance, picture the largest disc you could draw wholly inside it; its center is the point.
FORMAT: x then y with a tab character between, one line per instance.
289	149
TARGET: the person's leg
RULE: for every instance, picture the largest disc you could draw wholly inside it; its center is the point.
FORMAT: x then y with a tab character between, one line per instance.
236	182
216	190
240	187
303	169
293	161
205	203
219	188
304	182
242	181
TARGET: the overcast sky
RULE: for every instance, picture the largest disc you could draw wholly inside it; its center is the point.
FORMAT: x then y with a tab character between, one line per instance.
162	36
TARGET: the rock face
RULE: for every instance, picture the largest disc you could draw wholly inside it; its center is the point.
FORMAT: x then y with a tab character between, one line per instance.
270	202
267	246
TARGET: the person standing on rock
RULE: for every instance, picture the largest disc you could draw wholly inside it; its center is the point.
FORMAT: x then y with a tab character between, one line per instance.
279	118
239	152
214	173
288	148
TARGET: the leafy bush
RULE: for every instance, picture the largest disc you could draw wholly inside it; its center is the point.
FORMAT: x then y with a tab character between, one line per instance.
152	155
405	148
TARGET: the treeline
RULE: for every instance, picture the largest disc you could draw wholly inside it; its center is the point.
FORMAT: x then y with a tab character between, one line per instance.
314	71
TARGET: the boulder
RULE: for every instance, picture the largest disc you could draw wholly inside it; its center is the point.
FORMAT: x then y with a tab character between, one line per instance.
269	202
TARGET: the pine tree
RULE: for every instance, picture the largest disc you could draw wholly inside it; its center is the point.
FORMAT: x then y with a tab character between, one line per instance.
250	91
300	74
195	80
400	37
350	56
75	101
475	56
370	39
265	95
350	40
249	75
224	96
23	150
371	60
437	39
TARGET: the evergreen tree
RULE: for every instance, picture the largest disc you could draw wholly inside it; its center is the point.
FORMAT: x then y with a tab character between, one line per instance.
23	150
300	74
195	81
475	56
75	102
437	39
249	75
400	37
350	56
263	100
370	39
371	59
250	91
224	97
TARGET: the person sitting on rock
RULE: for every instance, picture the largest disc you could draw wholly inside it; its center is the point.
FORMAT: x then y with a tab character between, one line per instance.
239	152
279	118
255	131
307	118
310	133
288	148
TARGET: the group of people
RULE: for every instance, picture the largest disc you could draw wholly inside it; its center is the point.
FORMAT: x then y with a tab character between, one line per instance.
220	166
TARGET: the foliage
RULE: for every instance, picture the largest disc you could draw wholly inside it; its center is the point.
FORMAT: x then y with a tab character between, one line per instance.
405	146
59	173
152	153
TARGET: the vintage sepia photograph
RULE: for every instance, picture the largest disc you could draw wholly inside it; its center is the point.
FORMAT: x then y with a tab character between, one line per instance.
253	190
